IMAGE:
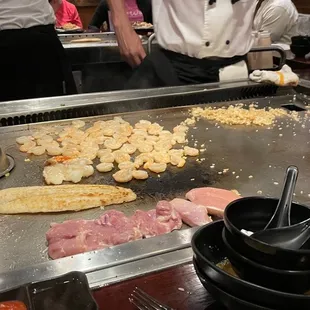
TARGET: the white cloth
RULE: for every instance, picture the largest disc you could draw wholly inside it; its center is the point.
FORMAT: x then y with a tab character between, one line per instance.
198	29
17	14
284	77
279	18
238	71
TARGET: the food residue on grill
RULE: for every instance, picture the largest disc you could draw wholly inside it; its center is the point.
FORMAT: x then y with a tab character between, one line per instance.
238	115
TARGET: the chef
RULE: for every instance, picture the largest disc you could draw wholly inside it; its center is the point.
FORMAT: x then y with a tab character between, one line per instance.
32	60
200	41
137	11
66	13
279	18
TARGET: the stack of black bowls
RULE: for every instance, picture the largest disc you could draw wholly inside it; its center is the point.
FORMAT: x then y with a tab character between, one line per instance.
257	275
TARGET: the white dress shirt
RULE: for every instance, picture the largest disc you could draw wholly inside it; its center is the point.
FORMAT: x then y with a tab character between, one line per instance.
18	14
199	29
279	17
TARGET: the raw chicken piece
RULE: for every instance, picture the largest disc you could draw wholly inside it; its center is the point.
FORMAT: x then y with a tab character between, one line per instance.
112	228
74	237
157	222
191	214
215	199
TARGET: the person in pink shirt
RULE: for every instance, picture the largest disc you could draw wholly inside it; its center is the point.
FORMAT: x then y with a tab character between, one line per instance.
65	13
137	11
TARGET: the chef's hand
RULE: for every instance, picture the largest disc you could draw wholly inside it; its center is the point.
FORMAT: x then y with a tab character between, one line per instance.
130	45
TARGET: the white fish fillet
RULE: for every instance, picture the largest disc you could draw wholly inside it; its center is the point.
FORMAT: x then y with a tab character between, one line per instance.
36	199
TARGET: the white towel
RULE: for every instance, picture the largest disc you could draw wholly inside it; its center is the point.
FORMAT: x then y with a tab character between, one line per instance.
284	77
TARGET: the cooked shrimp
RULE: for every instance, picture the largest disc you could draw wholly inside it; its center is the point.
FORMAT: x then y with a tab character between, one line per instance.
112	144
177	152
78	124
37	150
108	132
128	148
27	146
54	150
123	176
107	158
145	147
163	145
66	151
54	174
88	170
120	138
177	161
190	151
127	165
161	157
121	156
44	140
154	129
24	139
140	174
180	137
143	124
103	152
73	173
157	168
105	167
180	128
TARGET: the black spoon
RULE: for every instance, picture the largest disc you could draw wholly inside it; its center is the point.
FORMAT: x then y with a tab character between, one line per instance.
290	237
281	217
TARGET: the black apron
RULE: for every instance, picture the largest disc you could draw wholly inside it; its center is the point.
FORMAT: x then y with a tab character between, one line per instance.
166	68
33	64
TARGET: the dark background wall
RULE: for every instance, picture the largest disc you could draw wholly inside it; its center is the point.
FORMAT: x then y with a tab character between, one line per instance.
86	8
303	6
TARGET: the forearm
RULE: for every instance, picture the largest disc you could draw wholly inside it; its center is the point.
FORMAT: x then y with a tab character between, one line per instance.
118	13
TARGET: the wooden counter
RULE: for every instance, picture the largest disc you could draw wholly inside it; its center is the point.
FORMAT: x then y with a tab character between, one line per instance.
178	288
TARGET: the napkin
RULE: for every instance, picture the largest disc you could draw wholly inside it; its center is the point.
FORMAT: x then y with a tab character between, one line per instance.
284	77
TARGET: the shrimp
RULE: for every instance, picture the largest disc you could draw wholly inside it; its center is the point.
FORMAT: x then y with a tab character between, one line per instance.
112	144
121	156
54	150
37	150
27	146
140	174
105	167
128	148
127	165
107	158
123	176
157	168
78	124
190	151
103	152
24	139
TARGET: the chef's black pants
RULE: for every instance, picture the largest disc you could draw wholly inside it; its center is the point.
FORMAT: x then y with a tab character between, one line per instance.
166	68
33	64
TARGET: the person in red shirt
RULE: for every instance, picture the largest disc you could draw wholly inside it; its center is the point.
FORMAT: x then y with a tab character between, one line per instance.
65	13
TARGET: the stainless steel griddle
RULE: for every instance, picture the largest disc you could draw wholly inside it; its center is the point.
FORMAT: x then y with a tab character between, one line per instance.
255	156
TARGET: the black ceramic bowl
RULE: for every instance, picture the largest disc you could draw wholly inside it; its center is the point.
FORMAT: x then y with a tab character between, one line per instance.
300	50
229	301
282	280
253	214
300	40
209	250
